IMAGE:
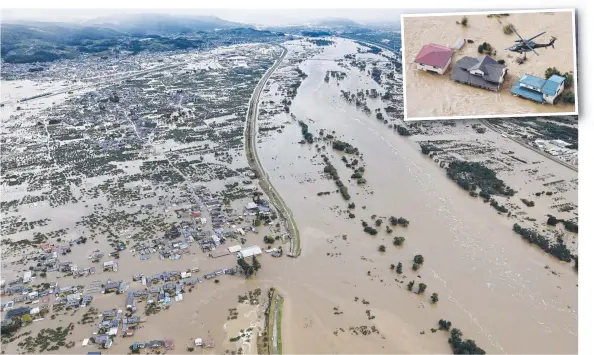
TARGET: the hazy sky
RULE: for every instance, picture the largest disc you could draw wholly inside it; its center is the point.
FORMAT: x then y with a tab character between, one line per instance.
253	16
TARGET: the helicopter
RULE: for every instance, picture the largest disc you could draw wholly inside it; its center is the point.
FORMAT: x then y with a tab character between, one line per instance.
528	45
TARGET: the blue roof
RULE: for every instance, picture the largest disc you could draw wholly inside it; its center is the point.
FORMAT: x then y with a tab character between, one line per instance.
557	79
550	88
526	93
552	84
528	79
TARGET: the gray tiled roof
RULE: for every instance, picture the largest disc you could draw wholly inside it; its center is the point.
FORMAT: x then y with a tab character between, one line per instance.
491	69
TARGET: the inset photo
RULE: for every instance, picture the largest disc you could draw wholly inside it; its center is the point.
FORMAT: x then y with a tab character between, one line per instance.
489	64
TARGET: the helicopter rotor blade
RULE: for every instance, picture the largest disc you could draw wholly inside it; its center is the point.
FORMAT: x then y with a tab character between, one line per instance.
516	32
532	49
524	41
538	35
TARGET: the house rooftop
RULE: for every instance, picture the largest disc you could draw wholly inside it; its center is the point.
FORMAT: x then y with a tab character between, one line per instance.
489	66
547	86
527	93
532	80
434	55
552	84
556	79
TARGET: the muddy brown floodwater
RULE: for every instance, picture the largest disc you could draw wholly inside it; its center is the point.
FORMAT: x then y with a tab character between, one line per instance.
492	285
340	295
433	95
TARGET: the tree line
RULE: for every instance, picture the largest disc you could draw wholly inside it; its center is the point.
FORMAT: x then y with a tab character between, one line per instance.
558	249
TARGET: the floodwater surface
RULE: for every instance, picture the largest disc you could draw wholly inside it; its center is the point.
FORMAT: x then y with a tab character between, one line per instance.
491	284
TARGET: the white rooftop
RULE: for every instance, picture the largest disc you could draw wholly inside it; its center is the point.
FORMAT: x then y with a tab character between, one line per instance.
250	251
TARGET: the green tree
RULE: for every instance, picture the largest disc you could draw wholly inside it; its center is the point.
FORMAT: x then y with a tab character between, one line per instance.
398	241
456	333
268	239
444	324
248	270
434	297
10	329
422	288
568	97
399	268
460	346
419	259
552	221
551	71
382	248
464	21
410	285
568	79
508	29
392	266
256	264
416	266
378	222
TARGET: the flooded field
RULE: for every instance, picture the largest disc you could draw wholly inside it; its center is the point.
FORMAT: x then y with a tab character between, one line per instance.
151	172
448	98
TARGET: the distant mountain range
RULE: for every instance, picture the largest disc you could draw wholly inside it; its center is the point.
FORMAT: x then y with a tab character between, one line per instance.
162	24
337	22
29	42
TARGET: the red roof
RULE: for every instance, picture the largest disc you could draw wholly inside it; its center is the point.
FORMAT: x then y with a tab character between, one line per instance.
434	55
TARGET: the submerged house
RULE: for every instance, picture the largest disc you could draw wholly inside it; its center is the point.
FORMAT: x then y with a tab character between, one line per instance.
249	251
483	72
538	89
459	44
434	57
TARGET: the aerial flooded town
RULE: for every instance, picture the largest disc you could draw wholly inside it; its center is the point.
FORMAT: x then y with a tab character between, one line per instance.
239	190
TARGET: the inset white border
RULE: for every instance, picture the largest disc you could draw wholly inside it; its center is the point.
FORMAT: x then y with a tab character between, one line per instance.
470	13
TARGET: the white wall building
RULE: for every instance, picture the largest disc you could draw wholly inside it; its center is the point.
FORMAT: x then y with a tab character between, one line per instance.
434	57
249	251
